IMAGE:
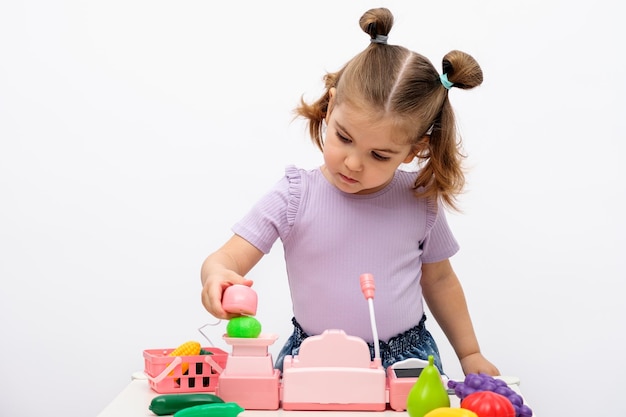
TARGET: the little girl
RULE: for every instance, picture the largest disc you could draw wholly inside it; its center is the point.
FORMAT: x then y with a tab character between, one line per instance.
359	213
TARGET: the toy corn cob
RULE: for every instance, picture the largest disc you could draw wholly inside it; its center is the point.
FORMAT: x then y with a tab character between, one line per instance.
191	348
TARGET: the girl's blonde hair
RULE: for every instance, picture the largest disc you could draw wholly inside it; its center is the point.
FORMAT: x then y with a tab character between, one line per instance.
391	80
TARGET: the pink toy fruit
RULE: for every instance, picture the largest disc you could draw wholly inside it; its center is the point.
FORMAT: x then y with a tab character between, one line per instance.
240	299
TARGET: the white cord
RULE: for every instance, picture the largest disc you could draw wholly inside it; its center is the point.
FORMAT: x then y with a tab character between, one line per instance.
370	303
201	330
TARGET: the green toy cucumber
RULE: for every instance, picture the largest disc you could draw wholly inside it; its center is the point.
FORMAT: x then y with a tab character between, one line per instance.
171	403
229	409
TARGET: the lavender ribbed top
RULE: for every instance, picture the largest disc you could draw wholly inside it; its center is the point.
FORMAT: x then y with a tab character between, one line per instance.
330	238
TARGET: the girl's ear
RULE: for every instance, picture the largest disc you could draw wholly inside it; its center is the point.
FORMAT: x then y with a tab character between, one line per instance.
331	100
409	157
418	148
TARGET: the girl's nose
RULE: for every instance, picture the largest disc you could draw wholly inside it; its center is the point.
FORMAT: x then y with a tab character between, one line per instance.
353	162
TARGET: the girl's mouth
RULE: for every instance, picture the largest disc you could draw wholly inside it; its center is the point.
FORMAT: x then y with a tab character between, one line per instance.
347	179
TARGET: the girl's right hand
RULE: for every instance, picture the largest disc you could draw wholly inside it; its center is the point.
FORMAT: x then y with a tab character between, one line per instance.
226	267
213	289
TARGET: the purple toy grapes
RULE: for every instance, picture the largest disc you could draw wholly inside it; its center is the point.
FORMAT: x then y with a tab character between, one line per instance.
484	382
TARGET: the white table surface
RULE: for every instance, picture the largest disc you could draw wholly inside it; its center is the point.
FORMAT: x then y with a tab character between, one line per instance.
134	400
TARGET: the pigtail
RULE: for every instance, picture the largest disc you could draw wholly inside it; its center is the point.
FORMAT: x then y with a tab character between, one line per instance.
442	174
316	112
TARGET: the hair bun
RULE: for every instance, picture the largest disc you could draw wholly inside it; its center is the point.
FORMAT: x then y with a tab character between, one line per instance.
462	70
377	23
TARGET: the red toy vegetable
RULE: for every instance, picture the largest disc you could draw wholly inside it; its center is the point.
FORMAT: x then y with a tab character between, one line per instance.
488	404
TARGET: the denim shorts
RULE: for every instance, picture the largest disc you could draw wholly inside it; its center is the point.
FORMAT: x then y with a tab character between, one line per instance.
417	342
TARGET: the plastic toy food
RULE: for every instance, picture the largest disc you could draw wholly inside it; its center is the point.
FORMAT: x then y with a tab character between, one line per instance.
483	382
240	299
229	409
451	412
488	404
190	348
165	404
428	393
243	326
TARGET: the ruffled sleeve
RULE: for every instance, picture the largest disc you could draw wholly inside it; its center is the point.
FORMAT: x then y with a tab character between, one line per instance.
431	213
294	187
274	215
440	242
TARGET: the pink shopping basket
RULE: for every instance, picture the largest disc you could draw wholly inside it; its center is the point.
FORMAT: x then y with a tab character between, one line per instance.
166	376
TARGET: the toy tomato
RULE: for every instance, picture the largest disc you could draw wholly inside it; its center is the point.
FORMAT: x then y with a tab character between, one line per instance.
450	412
488	404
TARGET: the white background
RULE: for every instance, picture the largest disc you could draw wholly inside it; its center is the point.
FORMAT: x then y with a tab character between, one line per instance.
133	134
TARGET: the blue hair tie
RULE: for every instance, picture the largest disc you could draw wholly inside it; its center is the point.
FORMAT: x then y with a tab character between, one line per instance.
446	83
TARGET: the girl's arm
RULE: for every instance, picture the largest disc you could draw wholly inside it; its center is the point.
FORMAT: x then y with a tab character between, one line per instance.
445	298
225	267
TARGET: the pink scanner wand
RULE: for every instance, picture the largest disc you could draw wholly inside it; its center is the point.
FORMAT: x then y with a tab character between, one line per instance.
368	288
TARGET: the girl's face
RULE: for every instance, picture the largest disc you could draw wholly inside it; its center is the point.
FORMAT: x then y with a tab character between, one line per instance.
361	154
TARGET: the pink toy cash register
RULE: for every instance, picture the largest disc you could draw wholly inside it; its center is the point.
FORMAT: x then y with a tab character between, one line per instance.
332	371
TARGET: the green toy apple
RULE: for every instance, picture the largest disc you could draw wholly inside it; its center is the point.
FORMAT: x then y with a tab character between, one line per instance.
243	326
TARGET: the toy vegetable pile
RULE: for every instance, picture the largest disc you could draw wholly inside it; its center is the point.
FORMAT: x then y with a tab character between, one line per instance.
191	348
241	299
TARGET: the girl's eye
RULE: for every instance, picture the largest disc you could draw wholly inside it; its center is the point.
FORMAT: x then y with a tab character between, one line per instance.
343	138
379	157
375	155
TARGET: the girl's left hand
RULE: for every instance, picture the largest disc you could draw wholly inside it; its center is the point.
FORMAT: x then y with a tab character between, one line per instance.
476	364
